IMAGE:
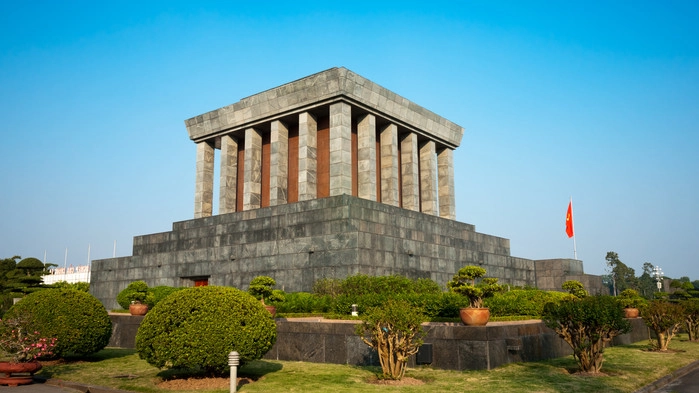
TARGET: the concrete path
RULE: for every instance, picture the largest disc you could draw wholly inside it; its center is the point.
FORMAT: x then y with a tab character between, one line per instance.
688	383
684	380
57	386
38	388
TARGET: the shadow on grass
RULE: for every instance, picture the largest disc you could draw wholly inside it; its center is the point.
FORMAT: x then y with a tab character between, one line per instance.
74	363
252	370
107	353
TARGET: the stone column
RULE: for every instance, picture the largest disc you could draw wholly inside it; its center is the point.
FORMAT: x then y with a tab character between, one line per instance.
229	175
340	149
366	158
410	182
428	181
308	130
389	166
204	182
252	184
447	200
278	163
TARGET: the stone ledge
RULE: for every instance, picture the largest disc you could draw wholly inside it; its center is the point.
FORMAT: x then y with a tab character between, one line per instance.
453	346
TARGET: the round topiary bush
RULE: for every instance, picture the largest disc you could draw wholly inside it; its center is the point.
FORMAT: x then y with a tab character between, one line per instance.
198	327
77	319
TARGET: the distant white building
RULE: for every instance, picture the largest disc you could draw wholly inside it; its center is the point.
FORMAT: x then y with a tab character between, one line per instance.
68	274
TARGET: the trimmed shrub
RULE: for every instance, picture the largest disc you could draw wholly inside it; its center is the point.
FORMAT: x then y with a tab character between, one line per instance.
575	288
450	305
394	330
80	286
196	328
161	292
77	319
691	318
327	287
629	298
262	287
665	319
126	295
304	302
524	302
464	283
587	324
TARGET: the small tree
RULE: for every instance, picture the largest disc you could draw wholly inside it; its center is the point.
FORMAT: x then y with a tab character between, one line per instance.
136	292
587	324
25	278
464	283
394	330
629	298
691	318
575	288
262	287
665	319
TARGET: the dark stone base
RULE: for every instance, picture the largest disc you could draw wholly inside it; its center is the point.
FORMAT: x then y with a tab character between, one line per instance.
452	346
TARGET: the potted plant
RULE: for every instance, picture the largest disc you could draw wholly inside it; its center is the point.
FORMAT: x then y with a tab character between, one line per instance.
21	346
632	302
464	283
262	287
139	297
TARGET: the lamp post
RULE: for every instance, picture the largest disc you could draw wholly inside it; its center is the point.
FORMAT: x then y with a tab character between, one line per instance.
658	273
233	361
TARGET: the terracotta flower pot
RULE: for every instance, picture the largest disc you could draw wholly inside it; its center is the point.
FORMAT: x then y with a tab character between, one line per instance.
631	312
474	316
138	309
272	310
25	371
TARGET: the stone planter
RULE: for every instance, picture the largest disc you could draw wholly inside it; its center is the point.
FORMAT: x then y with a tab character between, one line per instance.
474	316
138	309
631	312
18	373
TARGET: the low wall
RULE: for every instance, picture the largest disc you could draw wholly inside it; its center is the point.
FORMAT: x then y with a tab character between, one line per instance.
449	346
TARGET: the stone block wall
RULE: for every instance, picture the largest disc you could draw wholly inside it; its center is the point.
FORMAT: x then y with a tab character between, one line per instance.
552	273
302	242
453	346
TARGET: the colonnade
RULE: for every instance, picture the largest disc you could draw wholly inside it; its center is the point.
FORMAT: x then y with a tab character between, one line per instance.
326	152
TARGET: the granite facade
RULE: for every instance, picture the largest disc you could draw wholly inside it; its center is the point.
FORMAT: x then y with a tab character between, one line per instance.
302	242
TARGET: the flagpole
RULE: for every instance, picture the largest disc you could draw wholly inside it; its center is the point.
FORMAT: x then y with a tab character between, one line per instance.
575	248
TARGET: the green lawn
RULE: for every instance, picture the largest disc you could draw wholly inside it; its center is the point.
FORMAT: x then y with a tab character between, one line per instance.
627	368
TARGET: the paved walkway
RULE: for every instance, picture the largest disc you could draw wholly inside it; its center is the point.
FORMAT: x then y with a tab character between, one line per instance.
688	383
684	380
57	386
38	388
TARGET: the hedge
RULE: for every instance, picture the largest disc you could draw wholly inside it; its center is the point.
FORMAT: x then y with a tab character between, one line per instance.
198	327
77	319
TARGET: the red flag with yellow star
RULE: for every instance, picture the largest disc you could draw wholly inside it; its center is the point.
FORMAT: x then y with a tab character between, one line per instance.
569	220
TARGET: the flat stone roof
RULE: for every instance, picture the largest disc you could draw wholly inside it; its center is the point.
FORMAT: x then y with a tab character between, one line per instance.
321	89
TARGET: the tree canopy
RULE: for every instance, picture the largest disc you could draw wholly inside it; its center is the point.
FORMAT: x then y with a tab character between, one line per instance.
19	277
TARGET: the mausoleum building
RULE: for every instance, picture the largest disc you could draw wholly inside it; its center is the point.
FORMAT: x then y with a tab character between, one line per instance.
324	177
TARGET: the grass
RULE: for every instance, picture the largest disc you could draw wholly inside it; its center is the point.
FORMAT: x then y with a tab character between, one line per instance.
627	368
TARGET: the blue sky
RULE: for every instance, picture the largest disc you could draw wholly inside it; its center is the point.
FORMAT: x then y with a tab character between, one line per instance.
598	101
